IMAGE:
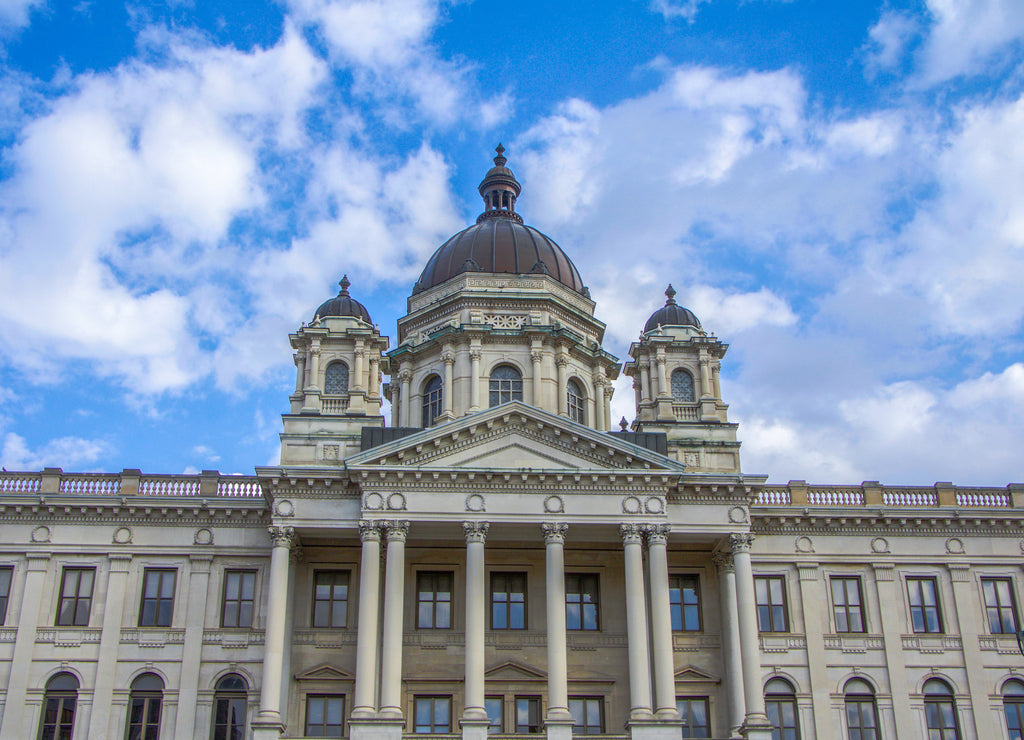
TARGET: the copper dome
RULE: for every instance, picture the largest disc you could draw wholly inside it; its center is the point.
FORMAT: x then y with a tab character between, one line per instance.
671	314
343	305
499	241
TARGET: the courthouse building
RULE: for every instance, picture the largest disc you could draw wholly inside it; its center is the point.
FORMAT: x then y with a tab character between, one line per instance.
501	557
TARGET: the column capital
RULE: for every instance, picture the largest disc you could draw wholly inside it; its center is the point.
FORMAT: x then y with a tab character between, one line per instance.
369	532
657	534
475	531
536	356
299	358
741	542
474	354
296	555
724	562
448	357
631	533
561	360
554	532
282	536
396	530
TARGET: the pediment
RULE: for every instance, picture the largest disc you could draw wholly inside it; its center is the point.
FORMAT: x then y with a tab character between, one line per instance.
692	674
514	436
510	670
324	672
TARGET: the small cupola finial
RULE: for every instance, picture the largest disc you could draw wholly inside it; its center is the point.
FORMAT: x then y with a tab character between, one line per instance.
500	159
670	292
500	189
344	283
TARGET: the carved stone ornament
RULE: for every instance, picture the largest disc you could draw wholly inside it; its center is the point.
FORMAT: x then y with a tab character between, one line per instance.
738	515
741	542
373	501
554	505
803	544
475	502
654	505
657	534
723	561
631	533
282	536
369	531
554	532
880	545
122	536
284	507
41	534
397	530
631	505
396	502
475	531
955	546
203	536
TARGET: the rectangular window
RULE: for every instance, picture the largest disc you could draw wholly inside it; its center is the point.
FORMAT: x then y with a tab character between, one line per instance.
324	715
508	601
157	597
239	598
771	603
330	598
684	598
432	714
528	715
846	604
581	601
693	710
6	576
493	707
924	605
999	605
434	601
75	597
587	715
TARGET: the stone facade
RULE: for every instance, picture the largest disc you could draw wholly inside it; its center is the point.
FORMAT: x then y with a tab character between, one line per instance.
497	562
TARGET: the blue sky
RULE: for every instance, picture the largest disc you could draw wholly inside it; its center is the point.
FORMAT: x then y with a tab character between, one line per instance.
836	189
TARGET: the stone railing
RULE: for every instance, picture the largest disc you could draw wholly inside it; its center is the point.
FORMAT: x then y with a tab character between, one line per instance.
686	411
333	404
872	493
54	481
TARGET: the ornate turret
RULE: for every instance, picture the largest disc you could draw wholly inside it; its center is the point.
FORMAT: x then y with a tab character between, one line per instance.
499	189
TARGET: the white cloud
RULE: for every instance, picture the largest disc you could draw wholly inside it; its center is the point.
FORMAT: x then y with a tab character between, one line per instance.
968	37
16	13
69	453
686	9
206	453
889	38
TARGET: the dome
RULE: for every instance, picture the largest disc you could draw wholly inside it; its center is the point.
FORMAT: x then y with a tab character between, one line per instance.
343	305
671	314
499	241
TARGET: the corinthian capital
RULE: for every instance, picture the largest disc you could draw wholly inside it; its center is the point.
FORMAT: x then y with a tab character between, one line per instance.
554	532
282	536
723	561
631	533
657	534
475	531
369	531
396	530
741	542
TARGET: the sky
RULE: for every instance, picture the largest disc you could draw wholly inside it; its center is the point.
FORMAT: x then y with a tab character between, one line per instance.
835	189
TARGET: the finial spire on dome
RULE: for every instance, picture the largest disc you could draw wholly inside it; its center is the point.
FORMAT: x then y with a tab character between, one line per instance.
344	283
671	293
500	189
500	159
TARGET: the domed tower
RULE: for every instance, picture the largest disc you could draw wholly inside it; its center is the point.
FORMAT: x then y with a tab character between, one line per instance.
338	360
500	313
675	370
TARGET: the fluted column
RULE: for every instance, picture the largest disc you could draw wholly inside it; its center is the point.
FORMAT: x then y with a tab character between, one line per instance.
300	371
663	388
476	535
366	635
705	376
661	622
448	358
731	639
607	399
395	533
405	376
599	421
374	389
558	674
563	380
359	379
755	721
636	623
274	639
536	355
474	379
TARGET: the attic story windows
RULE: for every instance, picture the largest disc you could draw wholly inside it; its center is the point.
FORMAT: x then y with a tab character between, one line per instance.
576	402
336	379
682	386
432	400
506	385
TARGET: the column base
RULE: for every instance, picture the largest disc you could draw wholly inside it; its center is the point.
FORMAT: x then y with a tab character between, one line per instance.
474	729
365	728
558	728
756	727
267	727
655	729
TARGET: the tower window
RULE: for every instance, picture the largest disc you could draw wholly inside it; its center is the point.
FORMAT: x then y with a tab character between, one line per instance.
506	385
576	402
432	397
336	378
682	386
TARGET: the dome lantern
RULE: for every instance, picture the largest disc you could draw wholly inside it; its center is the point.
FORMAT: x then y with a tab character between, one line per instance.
499	189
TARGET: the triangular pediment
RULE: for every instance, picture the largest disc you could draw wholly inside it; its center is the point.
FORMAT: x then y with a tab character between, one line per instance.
510	670
514	436
324	672
692	674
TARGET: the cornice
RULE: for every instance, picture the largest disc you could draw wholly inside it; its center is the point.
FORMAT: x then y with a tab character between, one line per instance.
893	523
133	510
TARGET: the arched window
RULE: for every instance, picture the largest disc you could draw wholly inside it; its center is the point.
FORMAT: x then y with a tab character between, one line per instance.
336	378
57	721
576	402
1013	707
940	711
780	703
682	386
506	385
861	711
144	708
229	708
432	398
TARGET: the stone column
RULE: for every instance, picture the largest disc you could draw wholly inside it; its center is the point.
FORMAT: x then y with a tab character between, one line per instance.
636	624
661	623
716	382
965	598
599	421
314	365
755	723
195	622
814	610
474	379
663	389
268	722
359	380
562	362
405	376
895	661
474	716
394	610
396	405
645	380
112	607
608	391
15	724
365	705
536	355
558	718
733	661
374	389
300	371
448	358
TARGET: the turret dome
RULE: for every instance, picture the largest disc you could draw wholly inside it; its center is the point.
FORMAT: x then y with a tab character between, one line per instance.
343	305
671	314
